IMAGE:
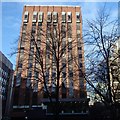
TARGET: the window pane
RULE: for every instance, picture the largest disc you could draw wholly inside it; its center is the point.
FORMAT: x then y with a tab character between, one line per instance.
63	17
40	18
21	53
55	15
20	64
34	16
49	17
78	26
80	65
29	74
69	30
30	65
77	17
69	17
26	16
80	55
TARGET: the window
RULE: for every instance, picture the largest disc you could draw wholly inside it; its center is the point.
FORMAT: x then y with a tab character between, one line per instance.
64	56
36	73
69	17
39	31
78	26
30	57
47	75
80	74
37	65
23	35
70	74
48	31
69	40
80	55
63	74
78	31
70	67
55	30
38	52
26	16
33	24
49	17
47	44
29	74
79	48
23	40
63	65
63	30
18	78
48	55
78	35
55	15
31	51
70	46
71	83
69	30
63	34
54	74
63	27
39	36
33	28
80	65
24	27
54	45
30	65
64	44
40	17
71	88
63	17
40	25
32	42
70	59
38	42
21	53
48	27
77	17
34	16
20	64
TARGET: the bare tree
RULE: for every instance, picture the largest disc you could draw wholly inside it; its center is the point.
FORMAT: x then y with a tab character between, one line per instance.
99	38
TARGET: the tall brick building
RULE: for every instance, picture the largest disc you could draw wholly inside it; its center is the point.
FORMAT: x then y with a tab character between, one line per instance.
41	27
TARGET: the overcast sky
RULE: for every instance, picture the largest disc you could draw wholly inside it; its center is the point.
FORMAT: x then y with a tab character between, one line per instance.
12	14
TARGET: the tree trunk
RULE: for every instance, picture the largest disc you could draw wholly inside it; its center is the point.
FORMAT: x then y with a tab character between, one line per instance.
109	82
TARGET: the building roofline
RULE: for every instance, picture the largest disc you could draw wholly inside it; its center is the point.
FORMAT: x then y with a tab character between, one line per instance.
4	59
55	5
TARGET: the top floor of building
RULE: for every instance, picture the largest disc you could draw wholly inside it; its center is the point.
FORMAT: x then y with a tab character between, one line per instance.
51	14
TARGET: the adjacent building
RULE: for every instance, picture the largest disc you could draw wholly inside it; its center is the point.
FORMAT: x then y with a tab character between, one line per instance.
6	74
43	28
115	69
